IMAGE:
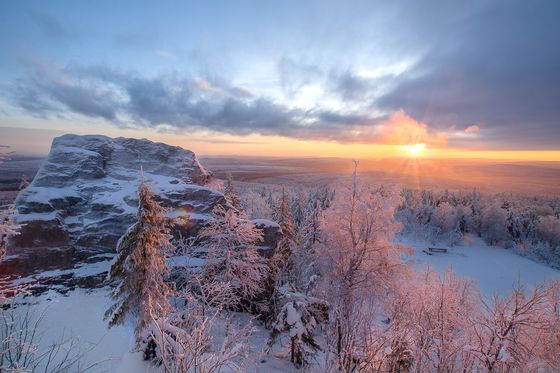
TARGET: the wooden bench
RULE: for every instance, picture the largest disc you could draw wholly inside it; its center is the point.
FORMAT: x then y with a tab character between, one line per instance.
437	250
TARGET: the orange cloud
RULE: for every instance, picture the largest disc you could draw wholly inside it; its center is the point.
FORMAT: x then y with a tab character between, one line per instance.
401	129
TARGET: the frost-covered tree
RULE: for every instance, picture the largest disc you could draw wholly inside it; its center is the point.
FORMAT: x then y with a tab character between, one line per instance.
428	323
230	193
360	262
198	339
232	253
8	227
508	330
140	266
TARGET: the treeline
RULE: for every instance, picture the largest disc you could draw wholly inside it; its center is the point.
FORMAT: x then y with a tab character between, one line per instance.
529	225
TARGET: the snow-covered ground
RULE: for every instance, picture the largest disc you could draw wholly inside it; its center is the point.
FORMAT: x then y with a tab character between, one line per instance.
494	269
79	313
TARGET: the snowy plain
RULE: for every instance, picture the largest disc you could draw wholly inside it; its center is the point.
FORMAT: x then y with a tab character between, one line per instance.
79	313
495	270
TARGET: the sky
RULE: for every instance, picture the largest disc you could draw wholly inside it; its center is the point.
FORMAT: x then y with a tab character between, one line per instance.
290	78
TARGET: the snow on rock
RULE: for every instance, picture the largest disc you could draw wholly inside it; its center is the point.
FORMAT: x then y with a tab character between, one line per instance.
85	193
272	233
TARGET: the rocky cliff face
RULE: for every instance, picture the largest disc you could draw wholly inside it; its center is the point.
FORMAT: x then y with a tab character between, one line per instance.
84	197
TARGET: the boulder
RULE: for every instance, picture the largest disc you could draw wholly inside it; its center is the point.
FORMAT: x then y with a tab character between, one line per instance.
84	196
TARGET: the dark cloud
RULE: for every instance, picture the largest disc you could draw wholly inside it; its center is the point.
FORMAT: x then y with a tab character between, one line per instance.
351	87
184	103
499	69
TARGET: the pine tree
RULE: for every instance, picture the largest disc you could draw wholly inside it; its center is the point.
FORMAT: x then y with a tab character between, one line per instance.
284	218
140	266
231	194
298	317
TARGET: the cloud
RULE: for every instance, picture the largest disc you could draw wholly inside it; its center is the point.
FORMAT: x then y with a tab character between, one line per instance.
178	102
487	70
400	129
473	129
350	87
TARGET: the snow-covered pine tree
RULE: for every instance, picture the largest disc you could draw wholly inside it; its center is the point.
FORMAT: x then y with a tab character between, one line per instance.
281	264
140	267
299	316
284	218
231	195
232	253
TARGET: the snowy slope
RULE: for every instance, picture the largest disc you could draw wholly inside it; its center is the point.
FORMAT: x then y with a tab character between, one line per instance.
79	313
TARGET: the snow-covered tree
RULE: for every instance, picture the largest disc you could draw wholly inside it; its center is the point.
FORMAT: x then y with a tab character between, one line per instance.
140	266
230	193
305	263
255	206
299	317
232	253
494	225
281	262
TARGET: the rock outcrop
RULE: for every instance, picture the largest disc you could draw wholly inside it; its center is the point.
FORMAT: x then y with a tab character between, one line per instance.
84	196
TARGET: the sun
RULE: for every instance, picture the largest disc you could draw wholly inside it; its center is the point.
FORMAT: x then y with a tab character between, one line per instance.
414	150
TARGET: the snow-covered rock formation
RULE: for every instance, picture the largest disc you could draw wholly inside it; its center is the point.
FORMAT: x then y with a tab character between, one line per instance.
84	196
